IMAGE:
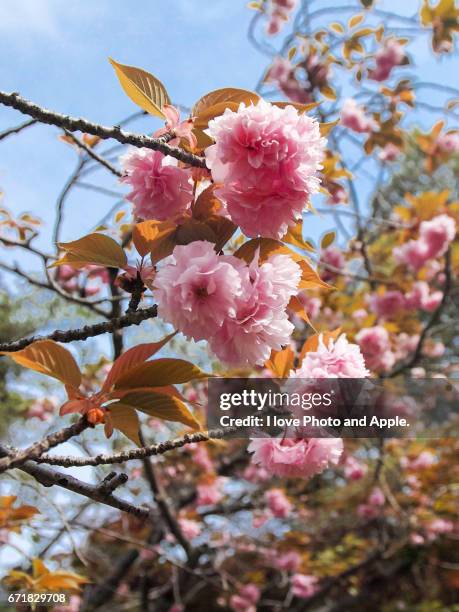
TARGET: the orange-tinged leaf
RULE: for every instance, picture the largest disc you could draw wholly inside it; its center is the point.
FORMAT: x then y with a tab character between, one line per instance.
145	234
132	358
96	249
301	108
281	362
327	240
161	406
326	128
51	359
294	236
328	92
215	102
310	278
142	88
298	308
159	373
337	27
124	418
312	343
355	20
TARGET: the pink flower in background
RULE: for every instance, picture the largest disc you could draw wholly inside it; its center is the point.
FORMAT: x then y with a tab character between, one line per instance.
160	189
391	54
420	297
437	527
354	469
387	305
375	345
282	73
339	359
311	305
438	233
201	457
279	11
303	585
389	153
448	143
434	238
424	460
191	529
433	349
261	323
246	599
289	561
296	458
254	473
413	253
43	409
373	505
209	494
353	117
266	158
196	289
278	503
331	257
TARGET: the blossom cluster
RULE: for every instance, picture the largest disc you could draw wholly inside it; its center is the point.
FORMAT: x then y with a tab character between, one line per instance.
266	159
390	55
239	308
435	236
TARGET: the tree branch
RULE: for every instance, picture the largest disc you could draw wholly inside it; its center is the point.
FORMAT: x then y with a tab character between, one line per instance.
136	453
73	124
17	129
88	331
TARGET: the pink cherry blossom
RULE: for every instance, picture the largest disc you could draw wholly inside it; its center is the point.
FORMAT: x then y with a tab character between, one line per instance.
296	458
190	529
434	238
391	54
282	73
387	305
160	189
246	599
196	289
333	257
376	348
339	359
353	117
209	494
289	561
424	460
260	323
437	527
181	129
303	585
278	503
438	233
354	469
266	158
373	505
448	143
390	153
279	11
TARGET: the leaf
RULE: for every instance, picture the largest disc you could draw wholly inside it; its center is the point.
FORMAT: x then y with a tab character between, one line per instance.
328	92
327	240
142	88
298	308
95	249
312	343
281	362
161	406
124	418
310	279
132	358
215	102
291	53
301	108
51	359
326	128
355	20
159	373
337	27
294	236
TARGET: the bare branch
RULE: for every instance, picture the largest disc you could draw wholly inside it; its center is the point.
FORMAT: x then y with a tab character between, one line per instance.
17	129
74	124
88	331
